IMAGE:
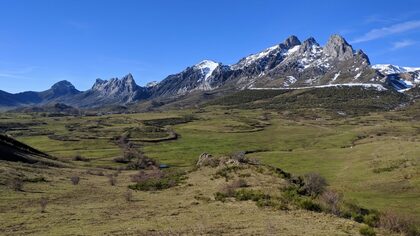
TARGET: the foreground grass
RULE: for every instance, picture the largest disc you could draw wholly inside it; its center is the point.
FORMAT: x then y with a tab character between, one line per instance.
94	207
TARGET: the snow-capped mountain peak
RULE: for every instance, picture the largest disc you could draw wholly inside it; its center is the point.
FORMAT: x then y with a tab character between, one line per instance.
207	67
387	69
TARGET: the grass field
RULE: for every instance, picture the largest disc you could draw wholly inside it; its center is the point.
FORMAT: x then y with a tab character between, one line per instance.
372	159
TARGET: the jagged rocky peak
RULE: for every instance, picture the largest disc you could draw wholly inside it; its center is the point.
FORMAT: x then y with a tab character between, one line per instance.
128	80
115	85
64	87
291	41
308	45
338	47
363	56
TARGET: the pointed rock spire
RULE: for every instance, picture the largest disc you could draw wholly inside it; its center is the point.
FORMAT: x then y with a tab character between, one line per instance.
338	47
308	44
291	41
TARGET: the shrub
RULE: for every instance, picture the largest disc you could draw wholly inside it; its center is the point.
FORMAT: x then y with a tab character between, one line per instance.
309	205
314	184
398	223
372	219
229	190
16	184
357	217
78	157
331	201
249	194
275	203
366	230
128	196
122	160
290	194
112	180
36	179
43	203
219	196
156	180
225	172
75	180
240	156
240	183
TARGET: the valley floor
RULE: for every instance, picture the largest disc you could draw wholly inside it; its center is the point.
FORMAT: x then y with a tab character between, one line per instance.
372	159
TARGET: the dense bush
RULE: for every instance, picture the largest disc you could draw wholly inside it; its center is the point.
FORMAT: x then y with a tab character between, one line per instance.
314	184
399	223
367	231
156	180
331	201
310	205
75	180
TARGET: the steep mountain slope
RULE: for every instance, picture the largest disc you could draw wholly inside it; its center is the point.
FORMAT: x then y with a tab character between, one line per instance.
197	77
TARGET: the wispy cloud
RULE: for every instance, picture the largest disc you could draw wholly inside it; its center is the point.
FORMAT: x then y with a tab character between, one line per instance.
403	44
386	31
380	19
20	73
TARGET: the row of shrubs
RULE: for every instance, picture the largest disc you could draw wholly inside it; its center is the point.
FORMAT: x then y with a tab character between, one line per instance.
310	193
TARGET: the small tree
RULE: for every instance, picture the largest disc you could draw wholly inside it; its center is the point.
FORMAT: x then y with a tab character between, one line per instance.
332	201
16	184
314	184
75	180
43	203
112	180
128	195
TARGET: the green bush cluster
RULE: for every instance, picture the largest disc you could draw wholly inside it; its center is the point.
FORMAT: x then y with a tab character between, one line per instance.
367	231
165	181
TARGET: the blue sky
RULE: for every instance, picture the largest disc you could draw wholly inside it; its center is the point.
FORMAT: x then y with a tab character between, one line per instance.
42	42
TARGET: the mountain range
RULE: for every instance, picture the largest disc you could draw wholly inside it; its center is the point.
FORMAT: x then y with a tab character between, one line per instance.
288	65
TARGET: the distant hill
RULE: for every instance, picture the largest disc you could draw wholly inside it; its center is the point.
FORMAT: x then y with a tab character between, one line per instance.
15	151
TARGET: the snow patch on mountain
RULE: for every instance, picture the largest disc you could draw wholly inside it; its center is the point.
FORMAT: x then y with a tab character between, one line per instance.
254	57
289	81
207	67
152	84
393	69
336	76
378	87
